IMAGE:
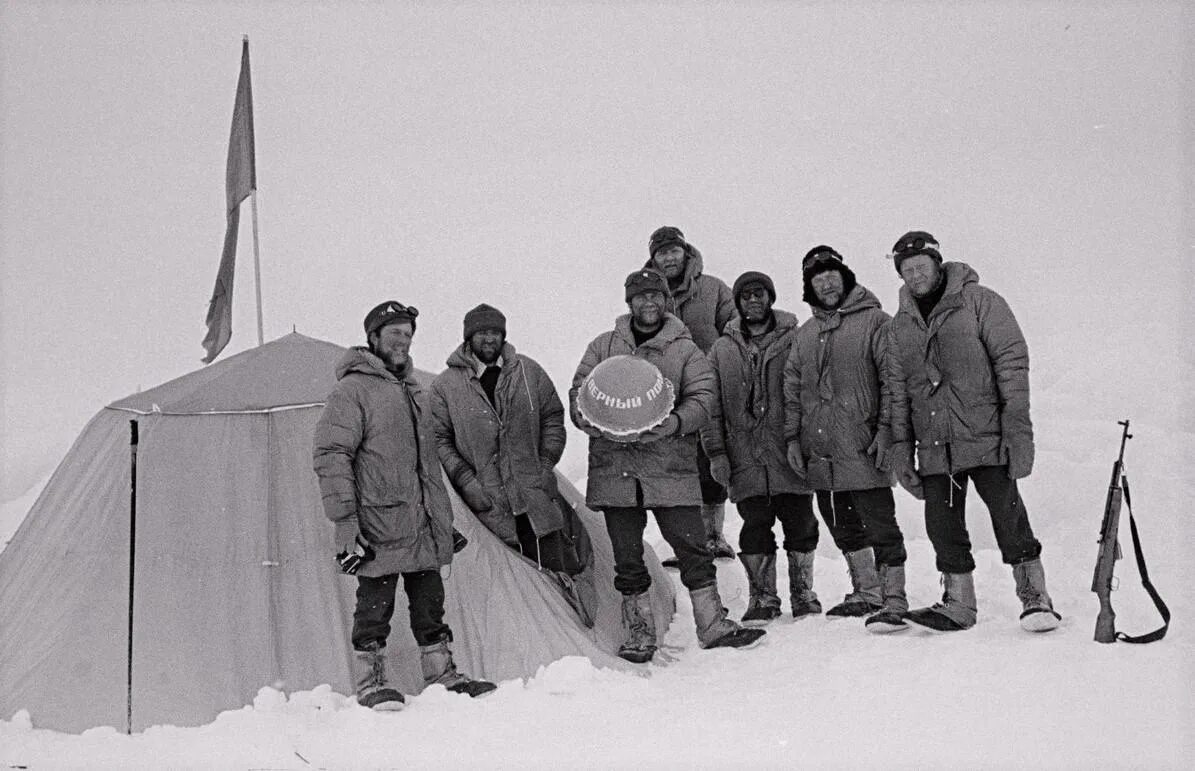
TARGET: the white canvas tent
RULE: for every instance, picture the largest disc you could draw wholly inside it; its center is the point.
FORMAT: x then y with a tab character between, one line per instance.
235	585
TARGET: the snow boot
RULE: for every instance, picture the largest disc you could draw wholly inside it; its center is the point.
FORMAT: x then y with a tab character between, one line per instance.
714	629
957	609
639	625
896	604
369	674
800	584
439	668
714	516
1037	613
764	602
865	594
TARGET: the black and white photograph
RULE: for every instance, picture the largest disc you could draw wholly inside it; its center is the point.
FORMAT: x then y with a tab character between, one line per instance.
575	383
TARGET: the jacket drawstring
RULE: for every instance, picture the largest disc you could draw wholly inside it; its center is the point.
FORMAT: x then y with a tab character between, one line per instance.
950	476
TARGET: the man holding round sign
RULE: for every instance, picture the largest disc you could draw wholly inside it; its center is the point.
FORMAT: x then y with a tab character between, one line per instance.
642	457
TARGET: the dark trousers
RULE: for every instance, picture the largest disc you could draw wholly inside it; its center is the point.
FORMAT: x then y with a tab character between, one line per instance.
375	607
760	513
861	518
552	552
946	525
683	529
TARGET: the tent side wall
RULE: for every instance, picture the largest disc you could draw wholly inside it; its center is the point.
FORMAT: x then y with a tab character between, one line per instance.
64	589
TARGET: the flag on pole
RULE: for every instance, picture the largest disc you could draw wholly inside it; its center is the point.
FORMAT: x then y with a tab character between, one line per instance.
240	181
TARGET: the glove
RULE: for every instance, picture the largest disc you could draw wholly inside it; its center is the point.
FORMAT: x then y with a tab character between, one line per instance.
795	460
879	448
720	469
1018	456
901	455
459	541
586	426
670	426
351	561
476	498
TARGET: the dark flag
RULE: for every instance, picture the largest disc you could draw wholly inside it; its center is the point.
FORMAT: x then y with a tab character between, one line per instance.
241	180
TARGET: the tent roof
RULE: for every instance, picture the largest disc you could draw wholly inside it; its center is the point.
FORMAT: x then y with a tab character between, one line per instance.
294	370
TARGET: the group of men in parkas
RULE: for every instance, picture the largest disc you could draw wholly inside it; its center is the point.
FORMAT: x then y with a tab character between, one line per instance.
768	411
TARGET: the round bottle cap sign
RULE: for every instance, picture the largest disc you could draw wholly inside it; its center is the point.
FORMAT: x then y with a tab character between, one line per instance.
624	396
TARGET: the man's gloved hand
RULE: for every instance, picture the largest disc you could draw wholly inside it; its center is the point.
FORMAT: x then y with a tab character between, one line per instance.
795	460
586	426
666	429
352	558
720	469
879	448
901	455
1018	456
476	498
459	541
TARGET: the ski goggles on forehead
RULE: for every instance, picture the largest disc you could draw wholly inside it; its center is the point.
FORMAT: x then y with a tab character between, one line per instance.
815	258
915	245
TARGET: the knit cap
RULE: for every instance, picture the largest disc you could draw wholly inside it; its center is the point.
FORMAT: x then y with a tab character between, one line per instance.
749	278
484	317
664	237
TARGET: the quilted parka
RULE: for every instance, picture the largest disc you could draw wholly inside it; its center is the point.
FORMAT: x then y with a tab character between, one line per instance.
836	396
375	456
748	417
704	303
665	469
961	379
500	457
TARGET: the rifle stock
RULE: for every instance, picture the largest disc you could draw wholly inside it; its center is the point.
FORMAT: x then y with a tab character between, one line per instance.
1109	547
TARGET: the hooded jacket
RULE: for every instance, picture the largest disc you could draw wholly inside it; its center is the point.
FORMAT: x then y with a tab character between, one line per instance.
500	457
704	303
836	395
961	379
665	469
747	424
375	456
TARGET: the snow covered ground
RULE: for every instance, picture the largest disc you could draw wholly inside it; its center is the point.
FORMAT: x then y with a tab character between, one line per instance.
817	692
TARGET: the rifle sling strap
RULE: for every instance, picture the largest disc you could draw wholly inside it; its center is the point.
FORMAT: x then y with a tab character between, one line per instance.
1164	611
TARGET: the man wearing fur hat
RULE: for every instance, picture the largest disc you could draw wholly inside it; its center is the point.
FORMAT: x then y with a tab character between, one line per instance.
745	444
375	456
837	399
499	428
961	399
704	304
656	470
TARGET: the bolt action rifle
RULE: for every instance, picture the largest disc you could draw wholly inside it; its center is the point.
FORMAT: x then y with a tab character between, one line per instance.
1105	564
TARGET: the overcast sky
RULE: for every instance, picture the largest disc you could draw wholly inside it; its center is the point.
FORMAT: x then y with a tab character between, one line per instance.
449	154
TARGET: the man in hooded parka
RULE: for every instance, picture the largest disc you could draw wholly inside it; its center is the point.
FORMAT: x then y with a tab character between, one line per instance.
745	444
499	428
961	400
656	470
380	479
704	304
836	422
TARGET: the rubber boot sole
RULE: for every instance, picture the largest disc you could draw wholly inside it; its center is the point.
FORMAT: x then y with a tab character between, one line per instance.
1040	620
934	621
743	639
636	655
886	622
